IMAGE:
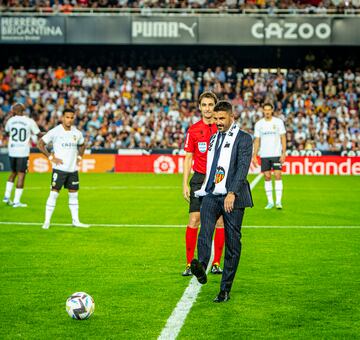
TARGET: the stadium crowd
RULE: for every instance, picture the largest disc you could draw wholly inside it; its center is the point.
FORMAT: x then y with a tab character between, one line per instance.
152	108
269	6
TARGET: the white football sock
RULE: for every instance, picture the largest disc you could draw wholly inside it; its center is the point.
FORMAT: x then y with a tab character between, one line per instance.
278	191
50	205
268	191
18	193
8	189
74	206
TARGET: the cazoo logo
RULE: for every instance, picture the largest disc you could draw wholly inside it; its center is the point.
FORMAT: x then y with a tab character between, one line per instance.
163	29
291	30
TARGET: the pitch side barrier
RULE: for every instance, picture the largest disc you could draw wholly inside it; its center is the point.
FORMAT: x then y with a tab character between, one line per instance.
175	29
299	165
140	162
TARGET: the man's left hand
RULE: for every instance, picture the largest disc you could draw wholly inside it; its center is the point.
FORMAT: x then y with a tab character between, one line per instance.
229	202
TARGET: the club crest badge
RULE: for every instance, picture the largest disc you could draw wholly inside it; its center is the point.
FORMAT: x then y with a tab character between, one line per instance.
219	175
202	146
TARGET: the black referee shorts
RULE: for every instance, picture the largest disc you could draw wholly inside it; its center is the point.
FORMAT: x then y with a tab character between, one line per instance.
270	163
196	182
19	164
70	180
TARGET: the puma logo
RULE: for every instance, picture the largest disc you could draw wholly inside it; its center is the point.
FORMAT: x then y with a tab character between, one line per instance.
161	29
188	29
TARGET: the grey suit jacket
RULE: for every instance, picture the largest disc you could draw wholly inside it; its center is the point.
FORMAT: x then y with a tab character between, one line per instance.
239	167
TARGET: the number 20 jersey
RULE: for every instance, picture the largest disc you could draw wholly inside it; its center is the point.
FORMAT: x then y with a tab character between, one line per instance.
20	129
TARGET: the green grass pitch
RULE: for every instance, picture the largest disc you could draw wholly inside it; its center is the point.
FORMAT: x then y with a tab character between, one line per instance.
291	283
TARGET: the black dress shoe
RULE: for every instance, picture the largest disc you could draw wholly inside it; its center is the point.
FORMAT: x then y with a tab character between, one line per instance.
223	296
198	270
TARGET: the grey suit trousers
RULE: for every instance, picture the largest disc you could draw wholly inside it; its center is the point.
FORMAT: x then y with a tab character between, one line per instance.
212	208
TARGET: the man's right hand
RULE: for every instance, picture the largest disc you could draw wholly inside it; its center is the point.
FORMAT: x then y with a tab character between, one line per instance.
255	161
186	192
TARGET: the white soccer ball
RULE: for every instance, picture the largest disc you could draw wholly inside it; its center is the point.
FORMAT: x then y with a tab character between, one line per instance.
80	306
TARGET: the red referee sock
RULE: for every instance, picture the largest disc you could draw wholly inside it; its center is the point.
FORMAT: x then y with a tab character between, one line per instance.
191	238
219	241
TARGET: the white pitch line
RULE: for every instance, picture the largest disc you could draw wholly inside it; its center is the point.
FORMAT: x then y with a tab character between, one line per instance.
256	181
120	187
99	225
177	318
302	227
182	226
140	187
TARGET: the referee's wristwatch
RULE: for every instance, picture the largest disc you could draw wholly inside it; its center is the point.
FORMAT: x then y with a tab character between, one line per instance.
231	192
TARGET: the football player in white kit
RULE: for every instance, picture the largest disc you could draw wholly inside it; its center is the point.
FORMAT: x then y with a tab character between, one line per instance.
20	128
270	138
68	149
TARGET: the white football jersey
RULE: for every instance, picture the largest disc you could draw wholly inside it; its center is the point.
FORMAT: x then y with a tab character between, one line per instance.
269	133
20	129
65	144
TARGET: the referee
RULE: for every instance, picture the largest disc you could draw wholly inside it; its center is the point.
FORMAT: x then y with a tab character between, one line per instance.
196	146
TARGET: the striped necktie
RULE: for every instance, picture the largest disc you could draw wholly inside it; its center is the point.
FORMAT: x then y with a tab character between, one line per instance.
210	185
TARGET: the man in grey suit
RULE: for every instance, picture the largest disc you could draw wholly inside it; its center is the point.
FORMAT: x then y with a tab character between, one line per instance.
226	192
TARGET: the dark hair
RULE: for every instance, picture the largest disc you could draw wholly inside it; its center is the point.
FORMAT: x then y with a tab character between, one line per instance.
18	108
268	104
223	105
208	94
69	110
